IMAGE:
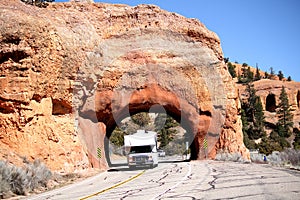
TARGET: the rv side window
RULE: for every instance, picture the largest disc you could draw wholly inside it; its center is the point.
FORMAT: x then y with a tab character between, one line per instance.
141	149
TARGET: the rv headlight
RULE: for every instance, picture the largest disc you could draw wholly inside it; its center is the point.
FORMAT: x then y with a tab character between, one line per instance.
150	157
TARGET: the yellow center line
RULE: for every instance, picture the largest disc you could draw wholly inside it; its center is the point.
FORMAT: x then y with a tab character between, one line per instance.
114	186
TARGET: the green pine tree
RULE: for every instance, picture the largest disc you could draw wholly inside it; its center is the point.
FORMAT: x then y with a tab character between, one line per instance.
166	131
272	73
231	69
170	123
257	74
267	76
242	78
254	113
296	142
226	60
141	119
250	75
259	118
247	75
280	75
285	117
117	137
268	145
244	121
250	144
163	138
244	70
249	106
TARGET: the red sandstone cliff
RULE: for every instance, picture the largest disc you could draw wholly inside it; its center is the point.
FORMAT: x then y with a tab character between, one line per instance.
65	73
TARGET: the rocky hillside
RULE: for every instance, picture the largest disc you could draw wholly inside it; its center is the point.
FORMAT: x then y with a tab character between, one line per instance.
268	89
65	70
275	133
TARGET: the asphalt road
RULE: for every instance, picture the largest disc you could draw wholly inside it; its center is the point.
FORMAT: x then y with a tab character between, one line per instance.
186	180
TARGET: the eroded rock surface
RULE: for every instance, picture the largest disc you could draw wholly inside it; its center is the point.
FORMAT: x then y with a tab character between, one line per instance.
71	71
269	93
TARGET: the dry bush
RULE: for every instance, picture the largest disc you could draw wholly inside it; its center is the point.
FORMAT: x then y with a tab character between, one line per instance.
290	156
286	157
274	158
39	174
257	158
5	172
21	180
234	157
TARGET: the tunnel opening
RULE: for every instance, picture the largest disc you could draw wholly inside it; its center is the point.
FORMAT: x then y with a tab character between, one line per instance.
271	103
298	99
173	140
161	119
117	106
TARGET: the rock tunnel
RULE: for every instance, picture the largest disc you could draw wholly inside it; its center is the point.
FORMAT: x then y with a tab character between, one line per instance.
160	68
91	69
153	97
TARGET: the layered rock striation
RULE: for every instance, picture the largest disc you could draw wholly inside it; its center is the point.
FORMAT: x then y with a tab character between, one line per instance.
70	72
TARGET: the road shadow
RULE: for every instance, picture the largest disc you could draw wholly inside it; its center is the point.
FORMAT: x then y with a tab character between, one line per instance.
124	167
118	164
173	161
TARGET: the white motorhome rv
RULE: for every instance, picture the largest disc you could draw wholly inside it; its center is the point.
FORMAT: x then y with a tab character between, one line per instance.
142	149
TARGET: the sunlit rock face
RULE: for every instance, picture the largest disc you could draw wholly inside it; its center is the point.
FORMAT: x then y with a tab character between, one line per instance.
70	72
269	93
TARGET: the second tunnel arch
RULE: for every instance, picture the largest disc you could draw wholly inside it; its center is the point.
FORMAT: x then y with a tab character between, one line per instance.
271	103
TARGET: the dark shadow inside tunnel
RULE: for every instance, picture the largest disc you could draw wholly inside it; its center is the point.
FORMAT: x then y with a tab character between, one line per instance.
271	103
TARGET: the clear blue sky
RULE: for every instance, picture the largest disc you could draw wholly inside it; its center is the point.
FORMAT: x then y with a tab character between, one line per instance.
266	32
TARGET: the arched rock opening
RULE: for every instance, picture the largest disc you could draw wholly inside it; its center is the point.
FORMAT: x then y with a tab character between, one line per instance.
184	77
271	103
172	138
196	123
187	137
86	64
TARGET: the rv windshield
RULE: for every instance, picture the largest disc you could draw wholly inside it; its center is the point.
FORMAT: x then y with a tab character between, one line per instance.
141	149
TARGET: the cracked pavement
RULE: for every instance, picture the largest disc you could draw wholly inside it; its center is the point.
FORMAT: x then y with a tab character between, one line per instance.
188	180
